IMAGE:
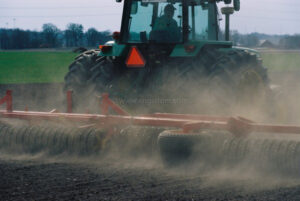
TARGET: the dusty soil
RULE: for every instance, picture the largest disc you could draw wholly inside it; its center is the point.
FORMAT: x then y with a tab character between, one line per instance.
34	178
40	97
41	177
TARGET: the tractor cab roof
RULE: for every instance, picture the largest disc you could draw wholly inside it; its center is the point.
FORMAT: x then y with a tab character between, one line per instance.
168	21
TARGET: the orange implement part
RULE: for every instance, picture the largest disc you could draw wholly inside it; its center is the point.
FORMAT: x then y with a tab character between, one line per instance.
186	122
8	100
135	58
190	116
107	103
69	101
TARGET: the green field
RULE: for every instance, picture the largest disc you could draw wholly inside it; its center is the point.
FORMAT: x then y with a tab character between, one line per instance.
34	67
282	61
45	67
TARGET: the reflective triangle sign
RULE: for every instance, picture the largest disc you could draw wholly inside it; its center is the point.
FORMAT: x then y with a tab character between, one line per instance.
135	59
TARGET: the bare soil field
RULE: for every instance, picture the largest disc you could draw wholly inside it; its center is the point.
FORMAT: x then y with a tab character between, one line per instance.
69	177
35	178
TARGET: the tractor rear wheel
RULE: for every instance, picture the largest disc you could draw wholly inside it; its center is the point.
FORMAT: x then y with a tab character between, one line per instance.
214	82
239	82
84	76
80	70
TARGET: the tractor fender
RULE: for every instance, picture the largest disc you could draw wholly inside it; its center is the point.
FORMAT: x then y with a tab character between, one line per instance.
245	49
192	49
116	50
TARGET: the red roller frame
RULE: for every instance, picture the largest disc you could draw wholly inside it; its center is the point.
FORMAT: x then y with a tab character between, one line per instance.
8	100
187	123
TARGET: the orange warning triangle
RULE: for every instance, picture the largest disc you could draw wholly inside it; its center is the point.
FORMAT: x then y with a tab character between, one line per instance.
135	59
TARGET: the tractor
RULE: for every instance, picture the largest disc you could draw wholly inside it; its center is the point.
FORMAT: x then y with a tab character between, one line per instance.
169	54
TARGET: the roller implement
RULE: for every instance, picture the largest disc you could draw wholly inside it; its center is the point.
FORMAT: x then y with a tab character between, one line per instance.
179	137
167	58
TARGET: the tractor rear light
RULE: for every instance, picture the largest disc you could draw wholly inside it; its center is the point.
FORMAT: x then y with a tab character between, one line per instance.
189	48
116	35
105	48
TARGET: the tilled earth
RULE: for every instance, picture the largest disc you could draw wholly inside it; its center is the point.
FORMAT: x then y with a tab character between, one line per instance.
42	177
60	179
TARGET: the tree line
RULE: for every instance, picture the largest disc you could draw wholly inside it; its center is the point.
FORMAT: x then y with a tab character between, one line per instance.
256	40
74	36
52	37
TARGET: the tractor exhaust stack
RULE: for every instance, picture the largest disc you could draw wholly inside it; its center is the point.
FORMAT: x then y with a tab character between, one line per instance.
227	11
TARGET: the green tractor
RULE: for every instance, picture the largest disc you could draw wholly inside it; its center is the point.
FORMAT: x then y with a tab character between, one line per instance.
169	51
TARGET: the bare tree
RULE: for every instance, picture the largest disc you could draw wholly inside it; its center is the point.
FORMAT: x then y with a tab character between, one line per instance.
50	33
74	35
92	37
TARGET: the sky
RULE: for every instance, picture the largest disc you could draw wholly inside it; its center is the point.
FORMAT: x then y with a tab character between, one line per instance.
264	16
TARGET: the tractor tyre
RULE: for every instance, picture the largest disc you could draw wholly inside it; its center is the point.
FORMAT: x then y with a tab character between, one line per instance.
214	82
80	70
178	149
81	78
239	82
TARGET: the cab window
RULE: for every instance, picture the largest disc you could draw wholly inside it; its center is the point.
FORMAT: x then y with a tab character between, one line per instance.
198	21
159	22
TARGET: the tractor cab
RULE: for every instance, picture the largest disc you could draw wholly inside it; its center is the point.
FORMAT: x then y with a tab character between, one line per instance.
169	21
180	28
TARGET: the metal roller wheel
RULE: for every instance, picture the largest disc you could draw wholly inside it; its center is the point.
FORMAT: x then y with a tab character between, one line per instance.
177	149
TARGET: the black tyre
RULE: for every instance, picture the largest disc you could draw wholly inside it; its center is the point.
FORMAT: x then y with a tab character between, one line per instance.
238	80
213	82
218	82
136	141
81	77
179	149
80	70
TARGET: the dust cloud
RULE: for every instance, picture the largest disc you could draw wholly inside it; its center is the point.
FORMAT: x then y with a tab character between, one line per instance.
247	166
